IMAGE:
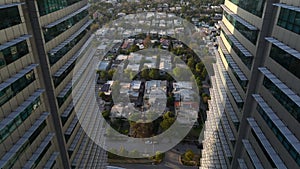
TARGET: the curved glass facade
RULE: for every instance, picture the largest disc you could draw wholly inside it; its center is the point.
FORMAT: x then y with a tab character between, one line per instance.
251	35
13	53
19	119
49	6
290	20
58	55
280	136
9	17
12	90
246	60
53	32
283	99
255	7
286	60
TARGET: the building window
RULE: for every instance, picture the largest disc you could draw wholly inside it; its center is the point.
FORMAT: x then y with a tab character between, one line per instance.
13	53
290	20
278	134
236	71
58	80
283	99
42	154
255	7
64	119
53	58
245	59
61	100
251	35
289	62
37	132
9	17
49	6
51	33
263	149
22	116
12	90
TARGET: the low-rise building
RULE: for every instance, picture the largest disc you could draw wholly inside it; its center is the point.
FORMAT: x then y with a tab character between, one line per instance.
135	58
121	110
135	90
104	65
154	85
165	66
106	88
133	67
182	85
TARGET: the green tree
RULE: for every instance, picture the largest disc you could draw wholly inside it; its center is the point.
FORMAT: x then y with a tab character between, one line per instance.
103	74
168	120
132	75
166	123
182	73
191	63
154	74
133	49
111	73
189	155
145	73
205	97
170	101
158	156
199	67
105	114
203	74
168	115
102	95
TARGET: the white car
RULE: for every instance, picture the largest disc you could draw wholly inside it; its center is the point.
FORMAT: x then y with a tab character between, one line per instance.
148	142
145	155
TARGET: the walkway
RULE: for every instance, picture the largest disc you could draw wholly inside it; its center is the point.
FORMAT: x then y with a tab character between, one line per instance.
171	160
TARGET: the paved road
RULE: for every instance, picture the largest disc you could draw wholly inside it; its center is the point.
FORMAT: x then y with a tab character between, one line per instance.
171	160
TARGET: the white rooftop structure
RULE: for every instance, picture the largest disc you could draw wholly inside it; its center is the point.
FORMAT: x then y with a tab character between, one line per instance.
124	88
182	85
122	57
165	65
134	67
185	95
135	58
151	58
136	85
155	84
150	65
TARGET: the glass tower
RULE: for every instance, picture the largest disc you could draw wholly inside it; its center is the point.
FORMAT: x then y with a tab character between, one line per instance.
253	116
